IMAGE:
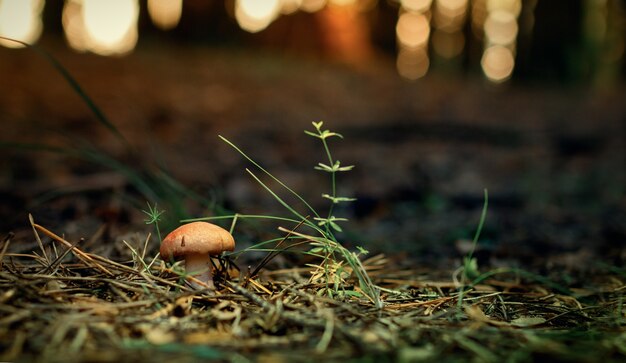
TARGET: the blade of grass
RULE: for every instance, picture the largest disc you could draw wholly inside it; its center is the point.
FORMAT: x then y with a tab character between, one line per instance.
258	166
481	222
242	216
100	117
279	199
271	255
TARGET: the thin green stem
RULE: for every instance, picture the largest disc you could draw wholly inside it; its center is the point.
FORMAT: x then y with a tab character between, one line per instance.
333	179
483	216
298	196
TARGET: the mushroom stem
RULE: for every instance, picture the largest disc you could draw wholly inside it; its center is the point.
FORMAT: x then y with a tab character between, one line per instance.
200	267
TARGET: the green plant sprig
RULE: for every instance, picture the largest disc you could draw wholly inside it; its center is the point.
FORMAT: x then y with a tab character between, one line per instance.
333	167
154	217
325	245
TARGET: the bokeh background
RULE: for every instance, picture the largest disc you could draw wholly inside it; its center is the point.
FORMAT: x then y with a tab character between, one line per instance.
437	100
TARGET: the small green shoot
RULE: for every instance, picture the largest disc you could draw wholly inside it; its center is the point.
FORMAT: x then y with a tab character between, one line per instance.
471	275
469	271
470	264
154	217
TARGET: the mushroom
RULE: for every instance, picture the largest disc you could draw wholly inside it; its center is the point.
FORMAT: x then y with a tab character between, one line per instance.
195	243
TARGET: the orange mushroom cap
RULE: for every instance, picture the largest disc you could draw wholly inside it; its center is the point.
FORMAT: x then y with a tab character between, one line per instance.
196	238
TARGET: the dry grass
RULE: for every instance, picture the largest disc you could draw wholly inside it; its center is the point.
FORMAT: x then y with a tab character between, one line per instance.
61	303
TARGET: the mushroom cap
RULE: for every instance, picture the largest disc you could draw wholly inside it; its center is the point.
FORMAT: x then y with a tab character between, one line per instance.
196	238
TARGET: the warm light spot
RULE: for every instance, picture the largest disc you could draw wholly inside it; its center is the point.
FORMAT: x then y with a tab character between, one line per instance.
497	63
452	8
105	27
20	20
511	6
165	14
256	15
74	25
501	27
289	6
111	25
345	34
450	14
412	30
412	64
342	2
448	45
418	6
312	6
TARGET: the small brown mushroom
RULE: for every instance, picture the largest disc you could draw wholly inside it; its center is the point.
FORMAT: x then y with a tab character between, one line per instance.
195	243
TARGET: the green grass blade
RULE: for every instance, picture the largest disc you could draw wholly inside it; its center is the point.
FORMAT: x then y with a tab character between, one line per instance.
278	198
24	146
244	216
481	223
76	87
298	196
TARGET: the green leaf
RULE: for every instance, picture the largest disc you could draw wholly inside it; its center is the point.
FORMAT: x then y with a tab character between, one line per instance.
312	134
362	250
338	199
327	133
324	167
332	219
336	167
154	215
346	168
335	226
352	293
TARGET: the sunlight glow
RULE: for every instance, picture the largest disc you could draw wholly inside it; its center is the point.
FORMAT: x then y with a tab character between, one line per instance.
450	15
510	6
111	25
105	27
255	15
289	6
417	6
500	30
497	63
412	29
20	20
165	14
448	20
342	2
412	33
74	25
412	64
312	6
501	27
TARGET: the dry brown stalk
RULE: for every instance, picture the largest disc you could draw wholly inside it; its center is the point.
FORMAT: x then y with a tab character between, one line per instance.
80	254
138	310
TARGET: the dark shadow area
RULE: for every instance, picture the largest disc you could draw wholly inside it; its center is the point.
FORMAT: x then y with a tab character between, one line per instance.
548	144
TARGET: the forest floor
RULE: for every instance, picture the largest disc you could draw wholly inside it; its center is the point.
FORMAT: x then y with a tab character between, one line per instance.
81	280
